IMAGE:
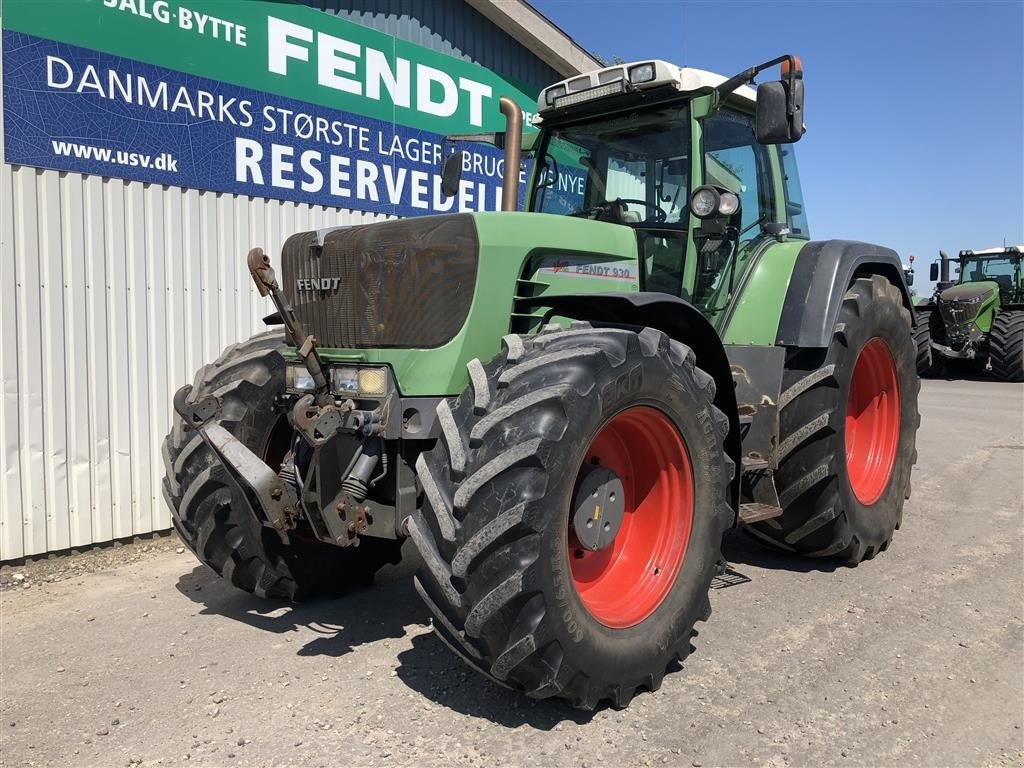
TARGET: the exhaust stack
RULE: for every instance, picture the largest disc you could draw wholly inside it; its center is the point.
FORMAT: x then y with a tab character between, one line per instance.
513	151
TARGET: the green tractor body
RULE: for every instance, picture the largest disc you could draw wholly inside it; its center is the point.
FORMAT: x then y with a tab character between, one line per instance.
979	319
565	407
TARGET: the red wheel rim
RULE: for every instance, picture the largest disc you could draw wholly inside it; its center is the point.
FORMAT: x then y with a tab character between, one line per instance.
624	583
872	421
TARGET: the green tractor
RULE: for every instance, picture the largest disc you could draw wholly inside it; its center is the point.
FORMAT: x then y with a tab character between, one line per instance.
977	319
565	408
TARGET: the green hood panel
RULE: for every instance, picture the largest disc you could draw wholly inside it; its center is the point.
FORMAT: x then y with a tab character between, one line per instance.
969	291
986	295
578	256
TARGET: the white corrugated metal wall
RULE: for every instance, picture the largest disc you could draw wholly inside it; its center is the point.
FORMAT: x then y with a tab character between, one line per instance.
112	294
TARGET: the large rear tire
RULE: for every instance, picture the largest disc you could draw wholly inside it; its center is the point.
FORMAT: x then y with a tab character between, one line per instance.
1006	346
213	522
510	588
848	424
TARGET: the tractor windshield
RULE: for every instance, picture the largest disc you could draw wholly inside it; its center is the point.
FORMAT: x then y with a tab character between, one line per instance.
1003	270
631	168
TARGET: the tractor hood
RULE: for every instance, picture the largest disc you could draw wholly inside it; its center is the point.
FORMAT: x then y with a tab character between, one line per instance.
428	294
969	292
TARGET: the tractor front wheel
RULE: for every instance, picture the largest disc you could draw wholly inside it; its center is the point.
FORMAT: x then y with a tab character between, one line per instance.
207	510
1006	346
848	422
573	512
927	364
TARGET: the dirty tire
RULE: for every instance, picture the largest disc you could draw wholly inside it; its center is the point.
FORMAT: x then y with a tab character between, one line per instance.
207	514
492	529
1006	346
927	365
823	517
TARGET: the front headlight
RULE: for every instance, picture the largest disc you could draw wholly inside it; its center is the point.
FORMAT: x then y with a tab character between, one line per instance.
353	381
707	201
641	73
554	93
298	379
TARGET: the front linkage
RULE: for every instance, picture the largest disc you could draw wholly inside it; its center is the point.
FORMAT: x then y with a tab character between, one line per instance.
273	497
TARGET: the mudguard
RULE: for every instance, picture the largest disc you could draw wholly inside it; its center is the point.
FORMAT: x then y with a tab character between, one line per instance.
676	317
823	272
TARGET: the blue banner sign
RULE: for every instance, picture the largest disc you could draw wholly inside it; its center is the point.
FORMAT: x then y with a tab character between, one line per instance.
77	109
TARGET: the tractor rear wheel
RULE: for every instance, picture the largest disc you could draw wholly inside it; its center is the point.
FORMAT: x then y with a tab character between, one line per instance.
1006	346
848	422
206	511
561	439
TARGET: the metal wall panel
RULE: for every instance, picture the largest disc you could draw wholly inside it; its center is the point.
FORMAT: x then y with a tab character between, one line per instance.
114	294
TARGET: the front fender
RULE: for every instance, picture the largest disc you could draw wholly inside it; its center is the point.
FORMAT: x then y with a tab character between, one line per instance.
677	318
823	272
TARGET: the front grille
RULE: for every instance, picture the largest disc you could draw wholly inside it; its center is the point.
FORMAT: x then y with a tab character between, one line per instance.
406	283
956	312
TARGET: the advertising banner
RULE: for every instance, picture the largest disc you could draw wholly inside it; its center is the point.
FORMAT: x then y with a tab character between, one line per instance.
267	99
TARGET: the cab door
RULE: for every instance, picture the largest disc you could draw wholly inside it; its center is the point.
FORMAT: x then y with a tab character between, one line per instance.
732	159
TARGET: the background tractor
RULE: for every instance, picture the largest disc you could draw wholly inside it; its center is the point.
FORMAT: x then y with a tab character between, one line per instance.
977	319
566	407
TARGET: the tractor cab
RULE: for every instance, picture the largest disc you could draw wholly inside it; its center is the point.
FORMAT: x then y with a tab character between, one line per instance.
700	167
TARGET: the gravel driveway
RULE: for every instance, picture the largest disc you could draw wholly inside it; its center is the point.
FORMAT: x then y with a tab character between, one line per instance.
139	655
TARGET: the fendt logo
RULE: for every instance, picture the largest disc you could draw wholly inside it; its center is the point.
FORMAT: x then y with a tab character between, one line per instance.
320	284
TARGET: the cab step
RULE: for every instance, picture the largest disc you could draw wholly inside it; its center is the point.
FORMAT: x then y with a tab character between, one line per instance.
751	464
755	513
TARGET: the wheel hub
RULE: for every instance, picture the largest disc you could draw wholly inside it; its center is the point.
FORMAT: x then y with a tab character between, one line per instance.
599	505
639	457
872	421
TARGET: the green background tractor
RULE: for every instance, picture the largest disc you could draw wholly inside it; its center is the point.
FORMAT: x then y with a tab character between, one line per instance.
977	319
566	407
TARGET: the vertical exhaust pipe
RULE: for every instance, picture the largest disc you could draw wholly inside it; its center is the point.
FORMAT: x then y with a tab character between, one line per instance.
943	267
513	152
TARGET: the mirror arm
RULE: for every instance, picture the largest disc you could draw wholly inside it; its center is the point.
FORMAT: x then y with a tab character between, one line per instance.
747	76
493	139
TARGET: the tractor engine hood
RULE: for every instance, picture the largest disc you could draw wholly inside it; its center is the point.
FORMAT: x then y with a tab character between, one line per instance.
428	294
969	292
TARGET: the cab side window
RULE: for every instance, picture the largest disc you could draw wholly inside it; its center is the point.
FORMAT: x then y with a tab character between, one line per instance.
735	161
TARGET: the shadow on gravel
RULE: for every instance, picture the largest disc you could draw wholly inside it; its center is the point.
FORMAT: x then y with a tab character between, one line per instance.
740	550
342	624
432	670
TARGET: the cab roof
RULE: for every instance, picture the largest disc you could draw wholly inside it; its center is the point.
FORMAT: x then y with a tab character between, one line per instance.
683	79
997	251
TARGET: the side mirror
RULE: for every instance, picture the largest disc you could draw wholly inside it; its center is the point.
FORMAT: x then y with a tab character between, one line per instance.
780	111
933	272
451	173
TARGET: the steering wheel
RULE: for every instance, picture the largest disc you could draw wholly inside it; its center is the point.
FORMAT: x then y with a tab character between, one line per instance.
659	213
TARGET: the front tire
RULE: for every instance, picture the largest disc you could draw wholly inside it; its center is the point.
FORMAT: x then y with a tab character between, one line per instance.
1006	346
848	423
215	523
926	362
510	589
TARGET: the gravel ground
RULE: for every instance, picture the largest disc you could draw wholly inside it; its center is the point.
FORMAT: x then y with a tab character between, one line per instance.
138	655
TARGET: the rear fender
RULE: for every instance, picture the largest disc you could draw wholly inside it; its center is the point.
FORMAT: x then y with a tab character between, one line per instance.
823	272
677	318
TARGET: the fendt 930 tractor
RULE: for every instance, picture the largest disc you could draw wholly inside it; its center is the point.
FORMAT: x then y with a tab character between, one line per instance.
565	408
977	319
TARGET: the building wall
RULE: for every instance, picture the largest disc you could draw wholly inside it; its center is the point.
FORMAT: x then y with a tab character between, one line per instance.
448	26
113	293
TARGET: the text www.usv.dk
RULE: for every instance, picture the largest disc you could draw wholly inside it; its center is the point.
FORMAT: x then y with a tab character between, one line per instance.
162	162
